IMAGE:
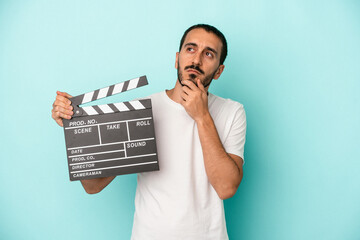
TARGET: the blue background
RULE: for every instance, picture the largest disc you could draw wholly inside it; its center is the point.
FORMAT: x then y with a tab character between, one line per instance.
293	64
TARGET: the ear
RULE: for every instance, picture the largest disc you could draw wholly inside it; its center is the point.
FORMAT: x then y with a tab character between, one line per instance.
219	71
176	60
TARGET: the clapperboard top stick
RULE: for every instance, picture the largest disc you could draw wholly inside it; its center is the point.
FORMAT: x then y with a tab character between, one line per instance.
106	92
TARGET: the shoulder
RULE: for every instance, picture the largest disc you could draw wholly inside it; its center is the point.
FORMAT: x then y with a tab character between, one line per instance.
230	120
225	104
156	96
153	96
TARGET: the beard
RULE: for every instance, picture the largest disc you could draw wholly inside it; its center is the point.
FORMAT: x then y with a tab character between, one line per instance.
192	77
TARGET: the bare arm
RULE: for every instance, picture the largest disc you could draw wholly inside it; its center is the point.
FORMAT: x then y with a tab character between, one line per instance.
62	109
224	170
95	185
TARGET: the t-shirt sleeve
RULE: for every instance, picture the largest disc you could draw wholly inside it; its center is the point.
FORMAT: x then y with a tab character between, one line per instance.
235	140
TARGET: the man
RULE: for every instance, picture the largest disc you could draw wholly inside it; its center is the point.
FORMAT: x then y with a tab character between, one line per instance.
200	140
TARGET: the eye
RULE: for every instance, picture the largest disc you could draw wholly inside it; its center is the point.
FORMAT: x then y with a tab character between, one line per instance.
190	49
209	54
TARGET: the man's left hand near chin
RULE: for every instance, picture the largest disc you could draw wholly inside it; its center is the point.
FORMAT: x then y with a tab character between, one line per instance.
195	99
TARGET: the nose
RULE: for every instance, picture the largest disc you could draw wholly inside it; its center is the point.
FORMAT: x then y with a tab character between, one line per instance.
197	59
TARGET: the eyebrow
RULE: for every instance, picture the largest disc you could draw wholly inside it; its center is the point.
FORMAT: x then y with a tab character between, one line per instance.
195	45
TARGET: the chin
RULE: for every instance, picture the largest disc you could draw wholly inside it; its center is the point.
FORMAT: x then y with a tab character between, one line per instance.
192	80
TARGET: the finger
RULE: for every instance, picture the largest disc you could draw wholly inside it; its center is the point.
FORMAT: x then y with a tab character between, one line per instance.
183	102
186	90
184	96
62	104
63	110
190	84
63	99
57	115
65	94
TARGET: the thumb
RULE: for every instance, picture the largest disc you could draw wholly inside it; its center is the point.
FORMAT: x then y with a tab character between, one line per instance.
200	85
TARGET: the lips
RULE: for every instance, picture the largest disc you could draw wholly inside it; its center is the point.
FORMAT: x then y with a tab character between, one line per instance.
193	71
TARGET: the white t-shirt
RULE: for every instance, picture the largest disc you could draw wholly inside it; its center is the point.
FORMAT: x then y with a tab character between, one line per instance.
178	202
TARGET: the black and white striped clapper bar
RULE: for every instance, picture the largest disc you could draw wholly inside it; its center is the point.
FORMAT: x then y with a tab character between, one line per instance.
110	139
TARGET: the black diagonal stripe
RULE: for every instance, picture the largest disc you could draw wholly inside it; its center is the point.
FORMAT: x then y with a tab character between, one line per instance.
112	106
146	103
110	90
84	113
95	95
142	81
129	106
98	109
125	86
77	100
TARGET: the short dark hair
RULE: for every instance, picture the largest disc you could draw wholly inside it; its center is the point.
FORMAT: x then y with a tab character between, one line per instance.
213	30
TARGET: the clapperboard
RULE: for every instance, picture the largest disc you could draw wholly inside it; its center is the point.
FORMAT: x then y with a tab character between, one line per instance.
110	139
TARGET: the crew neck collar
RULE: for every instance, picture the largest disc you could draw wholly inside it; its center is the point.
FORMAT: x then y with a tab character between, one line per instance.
168	100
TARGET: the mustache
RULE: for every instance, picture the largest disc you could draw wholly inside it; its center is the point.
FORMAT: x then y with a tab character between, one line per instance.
197	68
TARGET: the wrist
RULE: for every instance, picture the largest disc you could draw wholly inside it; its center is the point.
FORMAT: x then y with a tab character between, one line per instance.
205	120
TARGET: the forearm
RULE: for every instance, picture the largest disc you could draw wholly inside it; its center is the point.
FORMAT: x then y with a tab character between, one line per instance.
223	172
95	185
